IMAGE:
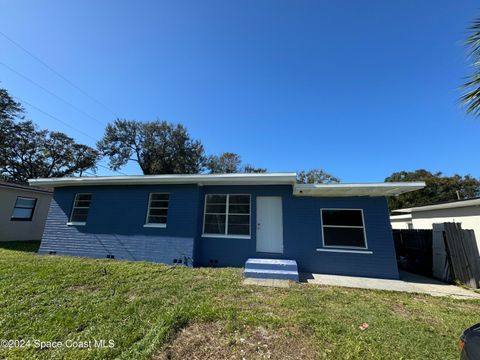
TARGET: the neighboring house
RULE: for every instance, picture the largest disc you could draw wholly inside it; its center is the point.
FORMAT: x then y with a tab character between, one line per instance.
222	220
23	211
466	212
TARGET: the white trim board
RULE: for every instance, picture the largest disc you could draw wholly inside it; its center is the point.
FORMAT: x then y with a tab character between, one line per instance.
366	252
356	189
202	179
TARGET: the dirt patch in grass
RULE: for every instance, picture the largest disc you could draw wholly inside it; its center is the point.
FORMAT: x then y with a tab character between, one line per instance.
213	341
82	288
400	310
464	305
131	297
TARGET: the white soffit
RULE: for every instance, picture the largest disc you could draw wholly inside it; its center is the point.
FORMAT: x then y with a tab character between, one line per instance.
357	189
213	179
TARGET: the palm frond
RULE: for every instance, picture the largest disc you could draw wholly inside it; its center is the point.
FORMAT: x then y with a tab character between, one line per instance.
471	98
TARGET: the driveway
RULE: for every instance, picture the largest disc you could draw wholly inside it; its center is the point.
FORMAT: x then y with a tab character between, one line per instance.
408	283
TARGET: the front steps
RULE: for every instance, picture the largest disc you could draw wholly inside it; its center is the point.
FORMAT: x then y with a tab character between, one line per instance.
271	269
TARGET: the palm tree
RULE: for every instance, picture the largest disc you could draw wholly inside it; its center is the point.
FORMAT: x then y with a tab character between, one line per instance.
471	99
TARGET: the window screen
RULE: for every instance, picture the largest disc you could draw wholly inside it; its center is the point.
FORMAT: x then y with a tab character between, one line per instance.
81	205
23	209
158	208
343	228
227	214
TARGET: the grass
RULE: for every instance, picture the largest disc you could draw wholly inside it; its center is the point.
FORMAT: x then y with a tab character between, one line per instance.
142	306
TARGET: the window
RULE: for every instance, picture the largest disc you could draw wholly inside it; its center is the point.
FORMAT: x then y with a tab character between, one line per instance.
227	215
157	210
81	205
343	228
23	210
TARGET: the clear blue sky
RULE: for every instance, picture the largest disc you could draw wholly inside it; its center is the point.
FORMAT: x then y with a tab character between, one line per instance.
358	88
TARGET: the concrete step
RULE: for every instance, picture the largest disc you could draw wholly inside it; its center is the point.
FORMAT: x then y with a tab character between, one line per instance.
271	264
271	274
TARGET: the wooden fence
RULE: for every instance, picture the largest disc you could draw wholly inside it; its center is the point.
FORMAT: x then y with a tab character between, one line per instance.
447	252
462	254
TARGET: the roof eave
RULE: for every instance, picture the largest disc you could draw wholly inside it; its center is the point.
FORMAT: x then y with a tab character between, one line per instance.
401	217
44	190
356	189
220	179
444	206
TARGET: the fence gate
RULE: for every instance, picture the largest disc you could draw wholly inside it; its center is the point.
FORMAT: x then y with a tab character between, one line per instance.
414	250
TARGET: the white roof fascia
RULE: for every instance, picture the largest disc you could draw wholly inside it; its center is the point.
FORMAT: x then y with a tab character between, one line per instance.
357	189
210	179
451	205
401	217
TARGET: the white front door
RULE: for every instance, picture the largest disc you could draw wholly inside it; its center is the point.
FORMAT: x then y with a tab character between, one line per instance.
269	224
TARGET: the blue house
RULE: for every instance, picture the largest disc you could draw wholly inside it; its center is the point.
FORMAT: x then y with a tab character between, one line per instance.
223	220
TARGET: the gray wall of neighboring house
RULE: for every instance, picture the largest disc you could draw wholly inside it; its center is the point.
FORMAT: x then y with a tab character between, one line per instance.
13	230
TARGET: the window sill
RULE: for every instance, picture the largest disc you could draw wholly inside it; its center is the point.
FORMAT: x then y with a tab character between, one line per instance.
155	226
20	219
226	236
76	223
349	251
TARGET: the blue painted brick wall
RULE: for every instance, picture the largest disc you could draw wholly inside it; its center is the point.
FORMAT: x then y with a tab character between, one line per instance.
115	224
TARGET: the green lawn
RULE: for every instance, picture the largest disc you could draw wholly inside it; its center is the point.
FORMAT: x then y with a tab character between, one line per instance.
142	307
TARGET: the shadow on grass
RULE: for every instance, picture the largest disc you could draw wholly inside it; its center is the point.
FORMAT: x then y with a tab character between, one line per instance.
26	246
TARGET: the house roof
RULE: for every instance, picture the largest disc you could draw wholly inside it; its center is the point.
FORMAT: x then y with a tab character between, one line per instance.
403	217
203	179
7	185
357	189
447	205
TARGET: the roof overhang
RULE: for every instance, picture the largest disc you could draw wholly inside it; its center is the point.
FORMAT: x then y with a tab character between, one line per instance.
357	189
404	217
18	187
210	179
450	205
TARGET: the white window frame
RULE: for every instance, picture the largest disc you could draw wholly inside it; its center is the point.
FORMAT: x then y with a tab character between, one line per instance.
156	225
343	248
35	200
79	223
226	235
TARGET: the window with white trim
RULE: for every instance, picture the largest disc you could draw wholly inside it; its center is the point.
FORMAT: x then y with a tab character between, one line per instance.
227	215
23	210
343	228
81	205
157	213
